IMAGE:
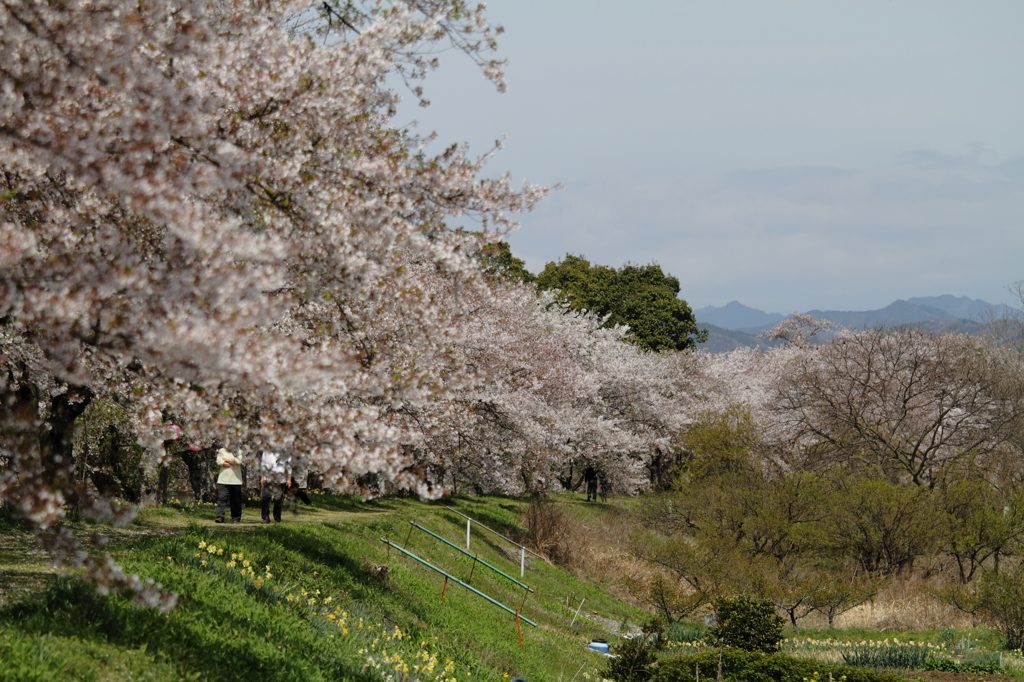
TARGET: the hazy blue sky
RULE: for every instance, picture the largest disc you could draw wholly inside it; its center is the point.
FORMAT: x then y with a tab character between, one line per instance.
791	155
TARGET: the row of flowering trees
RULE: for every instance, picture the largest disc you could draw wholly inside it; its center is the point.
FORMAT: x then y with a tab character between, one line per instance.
211	233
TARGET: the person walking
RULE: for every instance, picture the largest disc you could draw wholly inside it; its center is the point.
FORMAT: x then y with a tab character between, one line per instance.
590	476
274	483
229	486
297	480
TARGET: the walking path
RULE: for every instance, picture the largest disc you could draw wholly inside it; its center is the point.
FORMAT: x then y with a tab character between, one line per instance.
25	567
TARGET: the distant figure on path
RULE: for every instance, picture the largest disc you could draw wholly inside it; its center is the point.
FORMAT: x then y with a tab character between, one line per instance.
297	476
591	478
229	486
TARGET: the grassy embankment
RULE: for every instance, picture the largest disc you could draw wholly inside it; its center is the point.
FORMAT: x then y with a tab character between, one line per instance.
322	611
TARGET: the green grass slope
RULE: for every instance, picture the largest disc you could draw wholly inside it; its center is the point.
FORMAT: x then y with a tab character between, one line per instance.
307	600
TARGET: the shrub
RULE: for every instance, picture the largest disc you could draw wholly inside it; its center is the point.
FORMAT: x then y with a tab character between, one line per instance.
549	529
749	666
749	624
635	660
1001	600
948	665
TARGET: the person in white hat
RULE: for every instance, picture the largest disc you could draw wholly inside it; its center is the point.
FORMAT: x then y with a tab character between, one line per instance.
229	486
274	483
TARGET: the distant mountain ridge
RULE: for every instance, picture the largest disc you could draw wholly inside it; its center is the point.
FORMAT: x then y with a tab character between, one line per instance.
734	324
963	307
724	340
736	316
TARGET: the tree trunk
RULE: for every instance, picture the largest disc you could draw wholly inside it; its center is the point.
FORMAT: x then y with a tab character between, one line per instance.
57	440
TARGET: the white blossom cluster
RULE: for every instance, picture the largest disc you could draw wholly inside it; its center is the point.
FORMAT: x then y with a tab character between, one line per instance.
547	388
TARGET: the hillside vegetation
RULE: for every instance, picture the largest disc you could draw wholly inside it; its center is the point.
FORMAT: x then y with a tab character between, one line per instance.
321	597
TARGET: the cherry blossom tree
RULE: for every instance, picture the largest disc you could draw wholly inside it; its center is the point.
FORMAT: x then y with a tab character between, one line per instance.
205	210
798	329
1007	328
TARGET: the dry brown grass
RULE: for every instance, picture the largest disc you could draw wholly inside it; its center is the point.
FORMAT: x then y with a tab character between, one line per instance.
597	547
906	605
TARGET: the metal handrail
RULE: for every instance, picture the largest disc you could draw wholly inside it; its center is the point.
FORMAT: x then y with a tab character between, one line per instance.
474	556
453	578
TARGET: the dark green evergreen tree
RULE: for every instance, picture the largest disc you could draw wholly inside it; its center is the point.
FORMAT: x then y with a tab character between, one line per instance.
640	296
498	261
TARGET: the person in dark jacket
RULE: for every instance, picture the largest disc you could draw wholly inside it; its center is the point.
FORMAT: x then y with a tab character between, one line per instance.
297	480
590	476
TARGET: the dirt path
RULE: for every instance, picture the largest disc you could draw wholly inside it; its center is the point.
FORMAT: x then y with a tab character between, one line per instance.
24	566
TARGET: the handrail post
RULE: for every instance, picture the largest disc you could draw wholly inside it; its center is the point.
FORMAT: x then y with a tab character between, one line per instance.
577	612
470	554
407	537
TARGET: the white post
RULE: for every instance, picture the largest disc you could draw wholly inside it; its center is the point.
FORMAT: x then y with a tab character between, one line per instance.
576	615
522	561
468	523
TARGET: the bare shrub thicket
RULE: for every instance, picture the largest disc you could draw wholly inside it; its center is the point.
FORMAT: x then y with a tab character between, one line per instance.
548	529
601	546
595	546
